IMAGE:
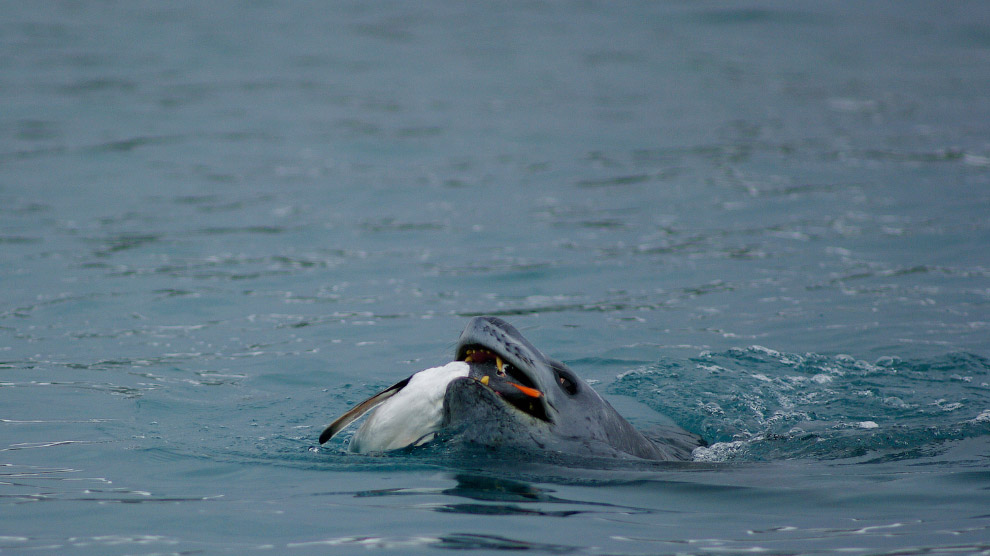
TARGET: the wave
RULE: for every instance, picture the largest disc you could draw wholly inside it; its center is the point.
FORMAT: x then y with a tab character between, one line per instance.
758	404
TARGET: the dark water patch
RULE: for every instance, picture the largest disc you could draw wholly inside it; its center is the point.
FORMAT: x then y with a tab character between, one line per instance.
335	317
26	207
584	216
631	303
392	29
610	58
37	130
127	145
605	306
129	392
493	542
494	495
502	497
169	292
419	132
228	267
665	247
883	271
306	262
106	364
38	33
601	224
124	242
458	541
97	85
732	17
794	191
129	217
536	310
615	181
394	225
49	301
19	240
101	496
496	265
242	230
113	146
106	544
196	378
12	471
811	149
941	155
43	444
197	200
502	510
11	156
218	203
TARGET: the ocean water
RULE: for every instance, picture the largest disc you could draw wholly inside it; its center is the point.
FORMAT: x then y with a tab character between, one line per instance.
223	223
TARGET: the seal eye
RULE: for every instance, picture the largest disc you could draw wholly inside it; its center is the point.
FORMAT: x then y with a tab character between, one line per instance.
566	381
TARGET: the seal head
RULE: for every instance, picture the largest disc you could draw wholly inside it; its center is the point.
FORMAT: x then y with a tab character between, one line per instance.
503	392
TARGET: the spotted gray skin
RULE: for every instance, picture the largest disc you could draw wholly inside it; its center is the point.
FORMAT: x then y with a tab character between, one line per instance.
575	419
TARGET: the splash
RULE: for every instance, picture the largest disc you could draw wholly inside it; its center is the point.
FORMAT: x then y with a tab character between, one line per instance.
756	403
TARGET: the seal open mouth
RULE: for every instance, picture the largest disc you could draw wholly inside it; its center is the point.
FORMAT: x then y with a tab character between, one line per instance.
507	381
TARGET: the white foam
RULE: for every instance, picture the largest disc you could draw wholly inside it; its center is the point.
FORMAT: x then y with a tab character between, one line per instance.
718	452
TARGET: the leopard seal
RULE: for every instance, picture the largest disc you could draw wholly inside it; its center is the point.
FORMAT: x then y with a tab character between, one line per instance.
503	392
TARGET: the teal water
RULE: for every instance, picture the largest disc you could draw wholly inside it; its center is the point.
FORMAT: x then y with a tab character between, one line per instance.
221	224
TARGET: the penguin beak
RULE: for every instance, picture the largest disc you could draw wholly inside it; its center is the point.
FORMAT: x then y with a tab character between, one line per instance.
502	370
507	382
531	392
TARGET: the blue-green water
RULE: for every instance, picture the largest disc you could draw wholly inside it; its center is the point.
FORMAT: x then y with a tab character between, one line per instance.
222	223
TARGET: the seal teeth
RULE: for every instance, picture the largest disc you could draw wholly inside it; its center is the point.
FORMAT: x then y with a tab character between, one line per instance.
476	355
484	380
500	365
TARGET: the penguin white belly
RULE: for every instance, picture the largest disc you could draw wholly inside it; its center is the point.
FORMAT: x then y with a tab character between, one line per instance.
409	415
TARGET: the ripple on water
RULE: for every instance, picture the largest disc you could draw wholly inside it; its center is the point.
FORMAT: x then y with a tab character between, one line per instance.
757	403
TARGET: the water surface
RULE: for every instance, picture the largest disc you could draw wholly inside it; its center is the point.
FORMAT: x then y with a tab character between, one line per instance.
222	224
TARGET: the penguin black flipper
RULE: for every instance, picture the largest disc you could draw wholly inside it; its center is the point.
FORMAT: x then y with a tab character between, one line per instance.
360	409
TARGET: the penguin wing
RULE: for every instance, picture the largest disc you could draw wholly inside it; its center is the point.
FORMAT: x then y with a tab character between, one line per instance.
360	409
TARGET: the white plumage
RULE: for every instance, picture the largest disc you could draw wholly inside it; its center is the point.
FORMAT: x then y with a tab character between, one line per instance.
410	414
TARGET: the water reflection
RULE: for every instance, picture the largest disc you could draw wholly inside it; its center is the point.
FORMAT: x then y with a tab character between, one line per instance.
492	495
